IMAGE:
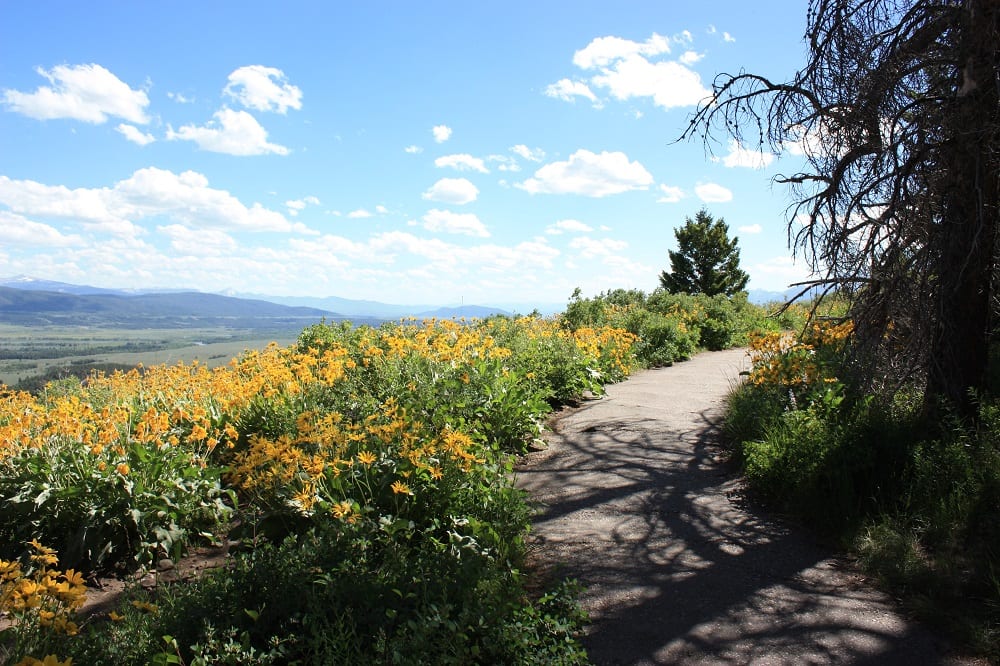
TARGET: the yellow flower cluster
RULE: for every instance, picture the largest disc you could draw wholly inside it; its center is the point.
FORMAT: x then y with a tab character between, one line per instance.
605	347
783	359
49	660
181	405
47	597
828	334
439	340
609	348
689	315
339	465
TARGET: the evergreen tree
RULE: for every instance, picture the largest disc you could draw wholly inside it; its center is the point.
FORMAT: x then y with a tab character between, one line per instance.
706	260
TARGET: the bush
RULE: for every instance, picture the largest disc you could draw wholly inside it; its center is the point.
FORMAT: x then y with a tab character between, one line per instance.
671	327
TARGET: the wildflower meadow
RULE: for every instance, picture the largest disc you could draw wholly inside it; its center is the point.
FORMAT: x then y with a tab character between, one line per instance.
361	478
364	474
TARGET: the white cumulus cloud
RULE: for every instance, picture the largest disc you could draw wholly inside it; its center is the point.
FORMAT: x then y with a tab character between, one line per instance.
742	157
296	205
231	132
441	133
263	89
777	273
505	162
572	226
135	135
590	248
751	229
713	193
589	174
628	69
454	223
80	92
671	194
461	162
669	84
536	155
359	214
198	242
187	197
18	230
452	190
604	51
691	57
413	150
183	198
568	91
37	199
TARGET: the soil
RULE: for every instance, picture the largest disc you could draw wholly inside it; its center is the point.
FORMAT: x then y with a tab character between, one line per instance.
635	500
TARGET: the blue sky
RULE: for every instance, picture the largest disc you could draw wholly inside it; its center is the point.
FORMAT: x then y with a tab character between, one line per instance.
432	152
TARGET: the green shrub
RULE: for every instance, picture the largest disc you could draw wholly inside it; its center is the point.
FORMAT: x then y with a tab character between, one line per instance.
664	339
370	592
152	504
671	327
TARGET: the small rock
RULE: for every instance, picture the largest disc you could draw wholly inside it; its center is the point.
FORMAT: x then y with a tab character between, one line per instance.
166	564
538	445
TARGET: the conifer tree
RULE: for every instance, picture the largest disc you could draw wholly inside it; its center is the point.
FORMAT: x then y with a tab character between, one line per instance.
706	260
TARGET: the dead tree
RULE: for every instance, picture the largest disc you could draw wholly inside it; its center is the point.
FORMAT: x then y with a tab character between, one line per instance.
897	113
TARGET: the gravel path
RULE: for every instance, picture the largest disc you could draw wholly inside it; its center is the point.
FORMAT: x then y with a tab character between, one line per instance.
633	501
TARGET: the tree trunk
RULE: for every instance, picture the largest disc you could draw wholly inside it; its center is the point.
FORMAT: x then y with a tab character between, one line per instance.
965	242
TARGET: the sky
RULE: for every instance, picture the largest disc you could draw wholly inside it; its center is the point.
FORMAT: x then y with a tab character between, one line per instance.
406	152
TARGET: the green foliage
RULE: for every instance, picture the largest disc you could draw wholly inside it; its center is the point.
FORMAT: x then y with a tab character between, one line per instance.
920	512
663	338
706	260
96	518
368	592
671	327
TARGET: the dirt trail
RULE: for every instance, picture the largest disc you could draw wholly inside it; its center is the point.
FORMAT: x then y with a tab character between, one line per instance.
634	502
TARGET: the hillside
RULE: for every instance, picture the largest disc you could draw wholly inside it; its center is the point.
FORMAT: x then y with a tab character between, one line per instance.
233	304
26	307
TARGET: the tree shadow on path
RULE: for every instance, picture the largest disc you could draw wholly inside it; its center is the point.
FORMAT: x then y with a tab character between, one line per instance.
633	502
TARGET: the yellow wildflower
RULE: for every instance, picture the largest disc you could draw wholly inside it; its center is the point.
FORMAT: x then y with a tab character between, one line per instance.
341	509
145	606
43	555
50	660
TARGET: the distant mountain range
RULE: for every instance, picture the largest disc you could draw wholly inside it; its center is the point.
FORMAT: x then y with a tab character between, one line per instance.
375	309
31	301
762	296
